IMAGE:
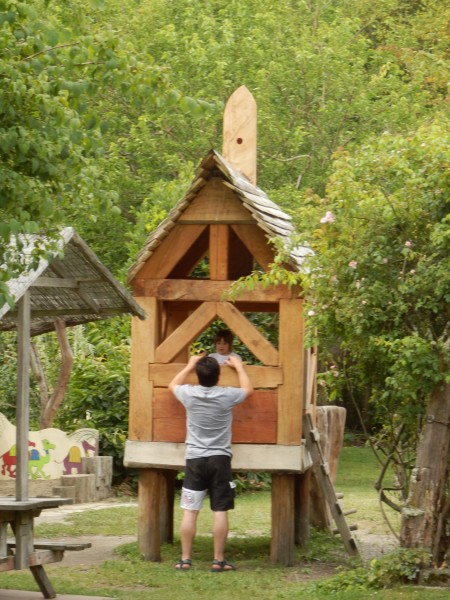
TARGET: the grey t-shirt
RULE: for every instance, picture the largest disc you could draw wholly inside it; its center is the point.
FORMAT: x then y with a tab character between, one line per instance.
209	418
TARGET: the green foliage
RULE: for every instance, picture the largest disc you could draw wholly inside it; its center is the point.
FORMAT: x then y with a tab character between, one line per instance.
380	280
98	391
401	566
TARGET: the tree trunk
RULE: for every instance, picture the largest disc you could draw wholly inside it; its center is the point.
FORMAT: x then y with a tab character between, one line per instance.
421	525
51	403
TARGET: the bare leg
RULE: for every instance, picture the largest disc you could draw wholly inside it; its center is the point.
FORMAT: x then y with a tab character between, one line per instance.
220	533
188	528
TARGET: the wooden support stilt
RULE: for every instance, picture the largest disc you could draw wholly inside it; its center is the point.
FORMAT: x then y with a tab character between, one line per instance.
302	506
167	505
283	510
151	486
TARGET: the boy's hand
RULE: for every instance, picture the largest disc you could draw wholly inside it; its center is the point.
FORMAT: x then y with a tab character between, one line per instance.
193	360
233	361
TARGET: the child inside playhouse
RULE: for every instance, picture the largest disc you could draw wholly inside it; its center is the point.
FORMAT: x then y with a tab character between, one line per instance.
223	342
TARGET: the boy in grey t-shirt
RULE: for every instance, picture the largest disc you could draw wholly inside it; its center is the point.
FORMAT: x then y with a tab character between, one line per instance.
208	451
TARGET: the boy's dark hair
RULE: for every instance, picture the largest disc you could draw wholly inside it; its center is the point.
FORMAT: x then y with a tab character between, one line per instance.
208	371
224	334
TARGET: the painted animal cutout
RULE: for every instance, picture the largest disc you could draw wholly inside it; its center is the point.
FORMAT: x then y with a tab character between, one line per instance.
9	460
38	461
61	455
72	462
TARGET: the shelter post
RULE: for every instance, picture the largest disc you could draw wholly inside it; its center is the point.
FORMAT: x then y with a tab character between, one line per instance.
23	392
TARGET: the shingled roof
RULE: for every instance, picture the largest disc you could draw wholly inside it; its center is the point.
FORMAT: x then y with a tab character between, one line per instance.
268	215
72	284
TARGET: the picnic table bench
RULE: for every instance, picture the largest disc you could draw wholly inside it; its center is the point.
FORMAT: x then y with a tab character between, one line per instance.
23	552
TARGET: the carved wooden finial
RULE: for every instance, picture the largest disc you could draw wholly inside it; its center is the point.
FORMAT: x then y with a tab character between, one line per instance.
239	132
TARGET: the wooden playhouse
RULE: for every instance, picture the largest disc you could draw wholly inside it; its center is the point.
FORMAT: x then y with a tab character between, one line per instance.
226	218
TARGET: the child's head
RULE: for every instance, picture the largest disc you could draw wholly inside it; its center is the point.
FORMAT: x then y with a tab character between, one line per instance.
208	371
223	341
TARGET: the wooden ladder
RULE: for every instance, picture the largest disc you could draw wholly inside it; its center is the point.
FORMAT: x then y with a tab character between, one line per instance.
322	473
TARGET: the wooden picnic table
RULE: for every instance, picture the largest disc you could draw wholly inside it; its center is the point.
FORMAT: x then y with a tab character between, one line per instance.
23	552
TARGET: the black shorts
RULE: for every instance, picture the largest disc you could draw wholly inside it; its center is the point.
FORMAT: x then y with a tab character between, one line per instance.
212	473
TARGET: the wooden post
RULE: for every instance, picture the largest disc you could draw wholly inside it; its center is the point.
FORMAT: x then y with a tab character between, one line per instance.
23	396
239	132
291	357
302	508
283	497
167	506
151	488
145	336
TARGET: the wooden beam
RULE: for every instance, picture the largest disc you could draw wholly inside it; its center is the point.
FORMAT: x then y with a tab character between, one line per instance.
239	132
291	355
144	336
82	291
171	250
216	203
246	457
261	377
204	290
254	238
219	241
247	333
55	282
186	332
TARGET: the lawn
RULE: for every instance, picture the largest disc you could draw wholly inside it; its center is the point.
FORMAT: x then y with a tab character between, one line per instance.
130	578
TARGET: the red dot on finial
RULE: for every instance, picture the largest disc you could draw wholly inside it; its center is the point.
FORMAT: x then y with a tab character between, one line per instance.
239	140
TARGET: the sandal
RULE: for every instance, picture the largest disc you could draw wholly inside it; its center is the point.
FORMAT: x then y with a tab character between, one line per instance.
184	564
220	566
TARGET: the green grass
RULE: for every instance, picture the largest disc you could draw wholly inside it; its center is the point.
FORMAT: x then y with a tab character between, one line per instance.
130	578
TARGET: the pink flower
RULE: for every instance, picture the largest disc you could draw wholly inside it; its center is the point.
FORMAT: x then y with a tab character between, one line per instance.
328	218
311	313
408	244
385	261
353	264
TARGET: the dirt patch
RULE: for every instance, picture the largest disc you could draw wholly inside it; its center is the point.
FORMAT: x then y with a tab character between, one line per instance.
102	549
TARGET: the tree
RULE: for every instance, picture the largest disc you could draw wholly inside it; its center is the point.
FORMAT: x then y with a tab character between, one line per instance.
382	288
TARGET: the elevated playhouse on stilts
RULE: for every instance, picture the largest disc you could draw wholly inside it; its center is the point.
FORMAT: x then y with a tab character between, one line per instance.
225	217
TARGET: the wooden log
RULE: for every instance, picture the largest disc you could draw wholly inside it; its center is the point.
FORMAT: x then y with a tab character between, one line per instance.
330	422
283	519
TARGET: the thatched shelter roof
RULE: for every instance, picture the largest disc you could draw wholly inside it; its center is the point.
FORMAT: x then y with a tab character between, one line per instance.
72	284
